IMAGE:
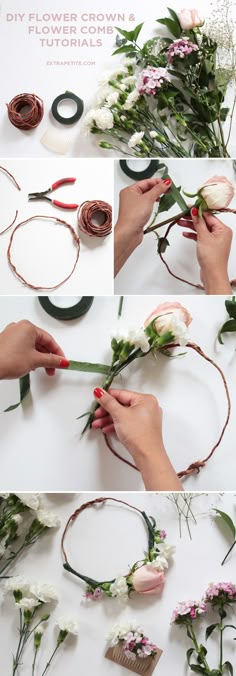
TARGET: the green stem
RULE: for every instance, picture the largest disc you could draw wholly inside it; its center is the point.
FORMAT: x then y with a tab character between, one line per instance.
34	661
197	646
226	154
229	552
120	308
168	220
51	658
221	630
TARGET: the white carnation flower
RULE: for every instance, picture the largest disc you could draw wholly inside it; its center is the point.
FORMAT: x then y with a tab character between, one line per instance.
4	496
44	592
166	550
128	61
102	94
135	139
129	80
18	583
119	588
27	603
159	564
113	74
134	336
104	118
129	103
69	625
112	99
31	500
47	518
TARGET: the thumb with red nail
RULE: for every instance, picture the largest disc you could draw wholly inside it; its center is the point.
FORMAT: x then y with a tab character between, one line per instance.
25	347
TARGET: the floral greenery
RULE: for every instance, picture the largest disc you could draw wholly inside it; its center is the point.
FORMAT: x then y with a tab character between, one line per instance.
226	519
31	600
167	97
184	504
230	325
220	598
23	520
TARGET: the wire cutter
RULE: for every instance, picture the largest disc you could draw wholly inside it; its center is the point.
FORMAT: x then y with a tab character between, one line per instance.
44	194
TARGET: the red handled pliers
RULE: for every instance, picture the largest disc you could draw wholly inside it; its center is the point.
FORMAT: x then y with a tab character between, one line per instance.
44	195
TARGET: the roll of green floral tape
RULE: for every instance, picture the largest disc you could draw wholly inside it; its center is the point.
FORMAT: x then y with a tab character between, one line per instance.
66	313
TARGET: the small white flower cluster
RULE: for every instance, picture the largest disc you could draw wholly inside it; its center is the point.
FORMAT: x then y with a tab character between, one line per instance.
132	335
119	589
119	631
165	552
28	595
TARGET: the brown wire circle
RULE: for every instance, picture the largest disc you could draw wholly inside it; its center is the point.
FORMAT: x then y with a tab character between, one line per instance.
86	213
13	267
13	179
29	118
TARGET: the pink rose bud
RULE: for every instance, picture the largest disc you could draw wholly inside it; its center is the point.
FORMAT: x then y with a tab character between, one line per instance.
148	580
218	192
189	19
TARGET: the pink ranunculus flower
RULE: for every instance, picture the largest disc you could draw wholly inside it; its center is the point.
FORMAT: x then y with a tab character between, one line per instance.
189	19
218	192
147	580
172	317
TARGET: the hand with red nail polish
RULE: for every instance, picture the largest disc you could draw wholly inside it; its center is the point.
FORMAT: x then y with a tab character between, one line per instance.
213	240
136	206
137	421
25	347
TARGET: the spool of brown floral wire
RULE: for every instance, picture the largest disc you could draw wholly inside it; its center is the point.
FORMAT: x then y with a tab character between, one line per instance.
91	210
25	111
13	266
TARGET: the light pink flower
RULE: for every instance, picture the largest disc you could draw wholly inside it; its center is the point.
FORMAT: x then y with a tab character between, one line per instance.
189	19
221	590
170	308
181	48
147	580
218	192
151	79
171	318
186	609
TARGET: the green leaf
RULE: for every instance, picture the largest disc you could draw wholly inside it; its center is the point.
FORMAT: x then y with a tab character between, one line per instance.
189	653
24	390
197	669
228	327
224	114
174	17
210	629
167	201
227	519
127	49
178	197
229	666
231	307
137	30
88	367
173	26
162	245
129	35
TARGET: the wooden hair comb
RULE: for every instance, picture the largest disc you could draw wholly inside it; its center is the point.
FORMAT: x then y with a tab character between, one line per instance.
144	665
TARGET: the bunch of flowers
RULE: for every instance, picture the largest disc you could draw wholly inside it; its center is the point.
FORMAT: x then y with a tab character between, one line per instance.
220	598
131	639
23	519
32	600
166	98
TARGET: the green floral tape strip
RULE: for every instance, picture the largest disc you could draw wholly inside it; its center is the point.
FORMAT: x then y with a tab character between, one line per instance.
24	390
84	366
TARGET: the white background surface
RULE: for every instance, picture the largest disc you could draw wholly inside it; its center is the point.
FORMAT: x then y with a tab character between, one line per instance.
27	69
144	271
103	543
43	251
41	448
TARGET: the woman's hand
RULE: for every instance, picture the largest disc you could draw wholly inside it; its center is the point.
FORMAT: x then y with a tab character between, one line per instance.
213	240
137	420
136	206
25	347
